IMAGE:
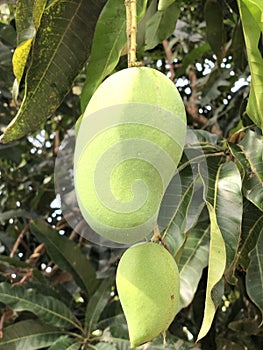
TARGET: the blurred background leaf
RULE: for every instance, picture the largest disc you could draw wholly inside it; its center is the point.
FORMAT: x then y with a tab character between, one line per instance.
29	334
49	309
67	255
254	277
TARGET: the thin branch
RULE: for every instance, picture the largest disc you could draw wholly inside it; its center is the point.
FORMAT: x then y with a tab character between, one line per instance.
169	57
28	275
2	320
56	144
131	29
158	237
19	240
193	109
34	257
6	316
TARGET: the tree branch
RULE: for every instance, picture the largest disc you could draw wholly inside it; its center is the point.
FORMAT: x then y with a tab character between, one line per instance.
168	53
131	29
19	240
193	110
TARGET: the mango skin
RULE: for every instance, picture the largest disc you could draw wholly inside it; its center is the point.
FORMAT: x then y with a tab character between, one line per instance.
135	85
148	285
140	110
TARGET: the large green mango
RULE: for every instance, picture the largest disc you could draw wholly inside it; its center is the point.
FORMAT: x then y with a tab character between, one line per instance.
128	146
148	286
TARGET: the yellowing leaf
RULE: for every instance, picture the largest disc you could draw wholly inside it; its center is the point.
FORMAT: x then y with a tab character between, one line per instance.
163	4
20	58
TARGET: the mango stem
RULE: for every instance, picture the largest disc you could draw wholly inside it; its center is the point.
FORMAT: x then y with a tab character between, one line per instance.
157	237
131	30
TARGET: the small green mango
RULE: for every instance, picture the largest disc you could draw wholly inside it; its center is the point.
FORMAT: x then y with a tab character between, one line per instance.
148	285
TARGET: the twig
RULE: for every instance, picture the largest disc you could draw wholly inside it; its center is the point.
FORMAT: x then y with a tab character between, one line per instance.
56	144
34	257
26	277
169	57
131	29
19	240
193	110
2	321
158	237
6	315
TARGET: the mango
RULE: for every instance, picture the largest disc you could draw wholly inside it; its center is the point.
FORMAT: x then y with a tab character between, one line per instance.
129	143
148	286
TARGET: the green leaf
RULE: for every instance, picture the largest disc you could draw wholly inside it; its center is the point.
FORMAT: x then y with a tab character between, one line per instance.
29	335
238	47
229	208
150	11
224	194
65	343
97	303
251	225
109	40
117	326
14	262
251	229
163	4
47	308
216	268
60	49
38	9
215	188
252	145
254	277
249	155
175	205
5	59
161	25
213	84
251	17
193	259
28	15
215	30
67	255
16	213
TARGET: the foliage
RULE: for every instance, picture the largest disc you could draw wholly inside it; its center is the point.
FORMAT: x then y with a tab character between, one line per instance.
57	289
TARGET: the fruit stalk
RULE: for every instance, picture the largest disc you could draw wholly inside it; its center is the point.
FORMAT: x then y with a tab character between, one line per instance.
131	29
